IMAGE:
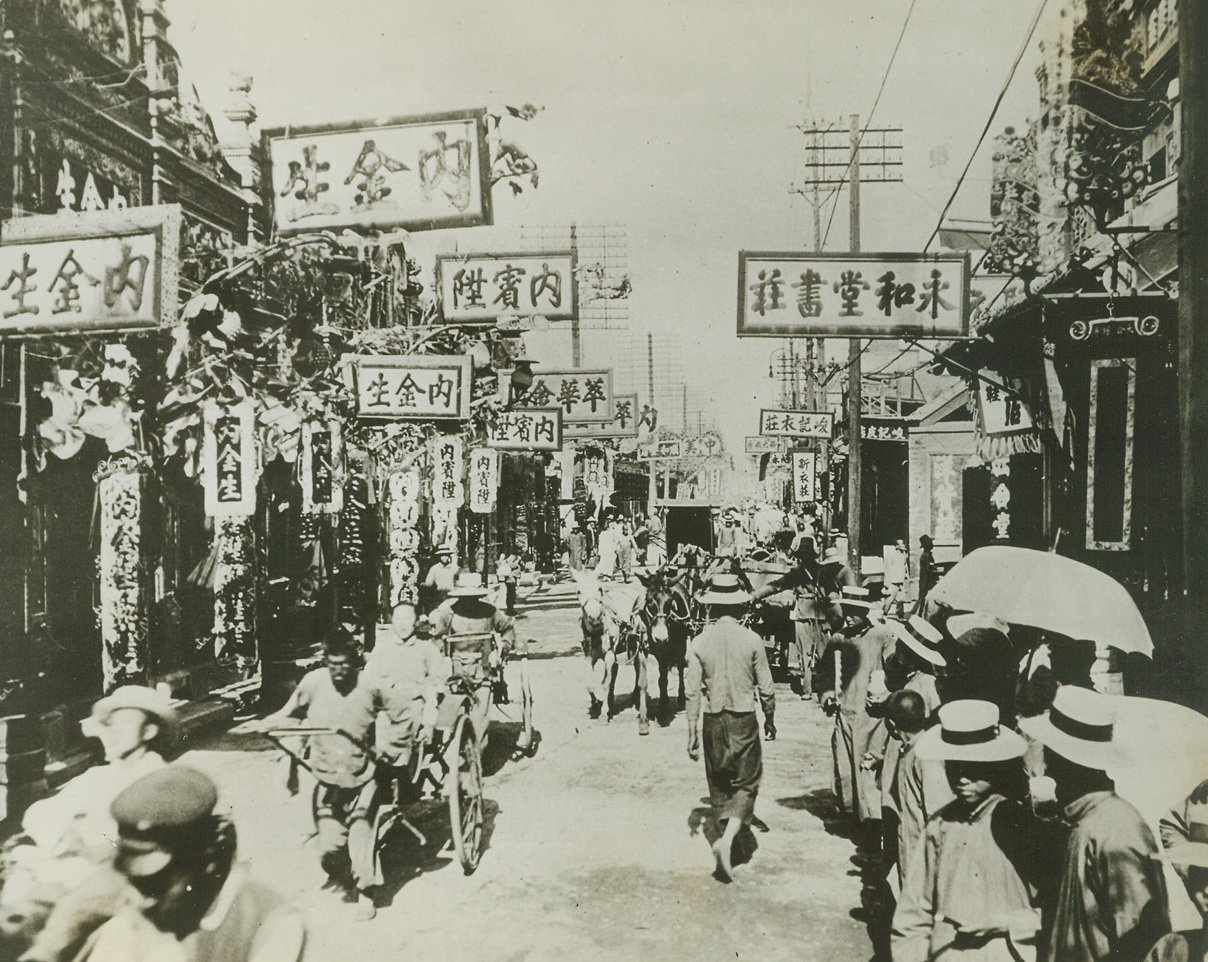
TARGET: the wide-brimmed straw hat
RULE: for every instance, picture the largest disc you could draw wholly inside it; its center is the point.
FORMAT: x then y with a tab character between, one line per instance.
856	599
969	732
469	585
1079	727
1194	849
920	637
959	624
724	589
155	704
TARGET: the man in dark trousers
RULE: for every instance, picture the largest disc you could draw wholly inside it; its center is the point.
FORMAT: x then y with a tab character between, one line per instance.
727	671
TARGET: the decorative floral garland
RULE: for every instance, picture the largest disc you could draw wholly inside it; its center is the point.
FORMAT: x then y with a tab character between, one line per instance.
122	614
403	509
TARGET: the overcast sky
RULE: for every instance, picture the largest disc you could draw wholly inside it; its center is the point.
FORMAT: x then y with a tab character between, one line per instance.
673	118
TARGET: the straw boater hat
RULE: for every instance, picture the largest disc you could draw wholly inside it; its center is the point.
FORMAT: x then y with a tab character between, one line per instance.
155	704
856	599
920	637
959	624
444	551
1079	727
833	556
969	732
1194	850
469	585
724	589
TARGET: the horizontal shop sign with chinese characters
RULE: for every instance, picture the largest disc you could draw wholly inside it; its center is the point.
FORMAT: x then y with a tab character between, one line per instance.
796	424
661	450
482	287
410	385
97	271
624	423
757	444
539	429
882	429
582	395
418	173
852	295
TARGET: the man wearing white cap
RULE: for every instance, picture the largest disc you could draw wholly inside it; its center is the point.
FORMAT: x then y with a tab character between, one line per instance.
1111	899
966	893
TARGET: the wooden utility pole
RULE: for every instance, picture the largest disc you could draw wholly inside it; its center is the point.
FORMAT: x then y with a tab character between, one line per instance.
854	370
576	343
1193	308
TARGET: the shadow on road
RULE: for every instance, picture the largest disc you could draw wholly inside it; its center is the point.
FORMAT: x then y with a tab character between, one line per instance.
824	806
501	745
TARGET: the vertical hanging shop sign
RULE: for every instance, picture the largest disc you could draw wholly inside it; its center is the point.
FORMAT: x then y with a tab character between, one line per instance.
484	479
122	609
229	459
446	471
805	477
320	467
403	491
1000	498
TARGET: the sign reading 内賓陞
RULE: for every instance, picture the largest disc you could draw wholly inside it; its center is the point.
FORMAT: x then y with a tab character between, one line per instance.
418	173
581	395
623	425
538	429
410	385
484	479
852	295
796	424
97	271
483	287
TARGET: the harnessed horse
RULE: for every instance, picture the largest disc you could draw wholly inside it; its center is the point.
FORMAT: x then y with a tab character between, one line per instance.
671	616
611	627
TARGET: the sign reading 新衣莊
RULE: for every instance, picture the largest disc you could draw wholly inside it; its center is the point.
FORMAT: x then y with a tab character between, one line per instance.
483	287
410	386
852	295
533	430
805	477
96	271
418	173
797	424
623	425
582	395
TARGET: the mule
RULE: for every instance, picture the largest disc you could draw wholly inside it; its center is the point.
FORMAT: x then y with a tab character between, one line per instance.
670	616
610	626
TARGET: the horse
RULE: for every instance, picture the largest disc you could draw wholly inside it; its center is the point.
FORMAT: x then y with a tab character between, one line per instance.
671	616
610	625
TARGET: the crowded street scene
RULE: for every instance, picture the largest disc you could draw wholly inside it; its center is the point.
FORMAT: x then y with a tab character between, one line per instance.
683	478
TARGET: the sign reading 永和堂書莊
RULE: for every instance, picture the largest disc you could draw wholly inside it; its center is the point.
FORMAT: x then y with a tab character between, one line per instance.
417	173
484	287
527	430
581	395
797	424
96	271
852	295
409	386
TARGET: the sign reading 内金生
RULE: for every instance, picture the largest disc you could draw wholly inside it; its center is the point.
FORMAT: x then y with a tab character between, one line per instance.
797	424
410	385
483	287
97	271
623	425
537	429
852	295
758	444
418	173
581	395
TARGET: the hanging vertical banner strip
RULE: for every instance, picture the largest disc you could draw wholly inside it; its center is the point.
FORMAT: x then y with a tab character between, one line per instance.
484	479
403	511
122	614
321	467
447	488
229	468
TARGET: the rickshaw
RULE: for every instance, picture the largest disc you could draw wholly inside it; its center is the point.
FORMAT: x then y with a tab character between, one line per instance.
448	768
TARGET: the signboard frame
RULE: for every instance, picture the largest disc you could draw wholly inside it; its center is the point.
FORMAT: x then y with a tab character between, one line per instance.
504	445
483	215
577	430
605	415
460	316
829	415
162	221
353	364
795	324
761	444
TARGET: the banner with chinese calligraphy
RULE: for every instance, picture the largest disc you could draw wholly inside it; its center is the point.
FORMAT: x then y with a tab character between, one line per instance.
484	479
623	425
759	444
658	450
852	295
582	395
418	173
702	446
715	483
882	429
229	466
446	470
1002	411
805	477
797	424
528	430
410	386
483	287
320	467
97	271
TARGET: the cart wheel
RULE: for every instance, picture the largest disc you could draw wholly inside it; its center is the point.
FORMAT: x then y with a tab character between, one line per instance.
464	790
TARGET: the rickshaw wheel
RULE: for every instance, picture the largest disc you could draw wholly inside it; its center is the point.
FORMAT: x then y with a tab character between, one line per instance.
464	791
